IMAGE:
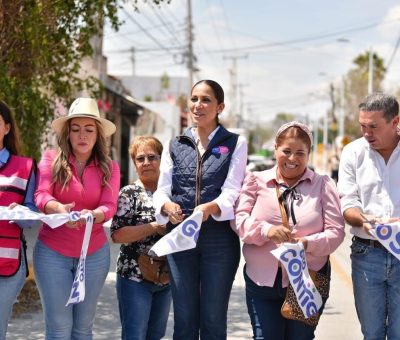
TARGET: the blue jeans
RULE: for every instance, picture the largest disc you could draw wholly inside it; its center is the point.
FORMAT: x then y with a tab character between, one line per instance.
264	308
54	276
10	287
143	309
201	283
376	284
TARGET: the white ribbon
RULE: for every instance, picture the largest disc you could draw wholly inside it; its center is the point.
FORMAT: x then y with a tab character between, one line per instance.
292	257
182	237
78	286
54	221
389	235
23	213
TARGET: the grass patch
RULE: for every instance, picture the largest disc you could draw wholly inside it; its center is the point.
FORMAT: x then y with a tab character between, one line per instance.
29	299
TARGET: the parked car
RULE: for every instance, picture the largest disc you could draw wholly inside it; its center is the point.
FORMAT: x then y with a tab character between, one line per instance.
259	163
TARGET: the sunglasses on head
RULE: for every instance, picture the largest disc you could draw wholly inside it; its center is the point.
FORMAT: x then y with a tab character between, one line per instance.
150	158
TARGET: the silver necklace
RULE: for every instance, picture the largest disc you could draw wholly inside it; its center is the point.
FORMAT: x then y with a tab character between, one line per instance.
81	164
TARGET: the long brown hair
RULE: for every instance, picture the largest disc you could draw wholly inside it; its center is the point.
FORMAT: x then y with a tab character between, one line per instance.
11	139
62	172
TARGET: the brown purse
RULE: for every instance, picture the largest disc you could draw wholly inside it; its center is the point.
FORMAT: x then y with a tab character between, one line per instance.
290	307
154	269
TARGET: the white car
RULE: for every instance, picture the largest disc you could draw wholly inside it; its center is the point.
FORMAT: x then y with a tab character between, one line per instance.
259	163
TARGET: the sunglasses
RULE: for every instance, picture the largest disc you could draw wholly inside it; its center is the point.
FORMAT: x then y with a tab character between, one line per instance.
150	158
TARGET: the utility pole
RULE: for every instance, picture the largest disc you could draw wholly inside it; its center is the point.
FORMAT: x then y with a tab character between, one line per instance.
242	118
371	71
315	142
325	143
234	88
190	44
342	109
133	60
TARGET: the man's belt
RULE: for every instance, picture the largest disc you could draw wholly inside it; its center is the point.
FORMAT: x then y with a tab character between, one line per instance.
371	243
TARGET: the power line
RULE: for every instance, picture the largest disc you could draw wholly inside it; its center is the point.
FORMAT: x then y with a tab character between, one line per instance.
147	33
393	53
167	25
216	31
147	49
227	23
304	39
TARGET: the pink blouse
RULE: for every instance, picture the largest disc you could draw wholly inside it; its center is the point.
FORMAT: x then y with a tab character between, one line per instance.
87	194
317	212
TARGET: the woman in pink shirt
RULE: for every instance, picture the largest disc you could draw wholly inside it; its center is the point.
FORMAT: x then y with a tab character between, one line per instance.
81	177
313	209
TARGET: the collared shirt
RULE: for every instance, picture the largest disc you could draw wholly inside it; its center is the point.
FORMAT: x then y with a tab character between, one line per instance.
318	217
368	183
28	200
87	192
230	189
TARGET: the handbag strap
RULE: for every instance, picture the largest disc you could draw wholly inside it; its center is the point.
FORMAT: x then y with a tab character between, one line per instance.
285	221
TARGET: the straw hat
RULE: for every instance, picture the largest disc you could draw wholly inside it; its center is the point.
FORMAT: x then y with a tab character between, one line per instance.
84	108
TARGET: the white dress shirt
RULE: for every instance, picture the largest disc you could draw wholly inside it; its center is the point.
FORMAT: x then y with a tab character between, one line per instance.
230	190
368	183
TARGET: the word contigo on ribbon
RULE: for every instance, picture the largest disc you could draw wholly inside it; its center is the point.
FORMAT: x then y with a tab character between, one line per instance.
182	237
292	256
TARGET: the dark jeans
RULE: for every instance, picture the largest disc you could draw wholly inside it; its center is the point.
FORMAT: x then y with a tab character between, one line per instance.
143	309
264	307
201	283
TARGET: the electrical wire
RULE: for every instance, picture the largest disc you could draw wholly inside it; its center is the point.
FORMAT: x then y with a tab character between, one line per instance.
393	54
304	39
167	25
161	46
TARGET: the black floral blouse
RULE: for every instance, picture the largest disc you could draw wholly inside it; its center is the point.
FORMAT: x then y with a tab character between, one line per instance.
135	207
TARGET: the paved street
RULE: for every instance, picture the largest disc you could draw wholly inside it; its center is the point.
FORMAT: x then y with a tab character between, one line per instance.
338	322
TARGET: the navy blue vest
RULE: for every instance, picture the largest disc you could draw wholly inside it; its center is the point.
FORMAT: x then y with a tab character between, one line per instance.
198	179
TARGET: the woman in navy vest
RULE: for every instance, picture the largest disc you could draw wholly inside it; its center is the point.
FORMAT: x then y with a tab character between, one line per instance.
202	169
17	185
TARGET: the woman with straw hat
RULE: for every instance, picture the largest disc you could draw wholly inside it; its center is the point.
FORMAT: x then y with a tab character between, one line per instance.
79	177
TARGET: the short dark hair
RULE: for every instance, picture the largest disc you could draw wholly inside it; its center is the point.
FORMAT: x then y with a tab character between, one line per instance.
380	101
150	141
217	89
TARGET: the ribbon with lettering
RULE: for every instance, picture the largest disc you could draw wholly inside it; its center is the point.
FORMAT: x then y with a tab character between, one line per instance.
78	286
182	237
292	257
389	235
23	213
55	220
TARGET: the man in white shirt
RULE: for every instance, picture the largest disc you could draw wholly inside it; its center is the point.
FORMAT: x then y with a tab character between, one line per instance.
369	186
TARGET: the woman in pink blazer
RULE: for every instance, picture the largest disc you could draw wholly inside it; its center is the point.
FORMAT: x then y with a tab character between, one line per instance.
313	209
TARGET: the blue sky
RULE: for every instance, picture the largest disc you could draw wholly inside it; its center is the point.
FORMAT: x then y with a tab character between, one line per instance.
295	48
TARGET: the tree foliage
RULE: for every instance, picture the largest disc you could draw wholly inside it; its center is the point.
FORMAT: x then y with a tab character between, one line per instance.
356	87
42	44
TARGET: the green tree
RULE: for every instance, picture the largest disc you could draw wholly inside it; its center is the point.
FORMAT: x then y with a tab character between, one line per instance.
42	44
356	88
282	118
